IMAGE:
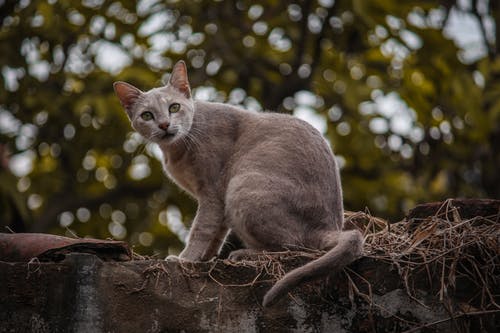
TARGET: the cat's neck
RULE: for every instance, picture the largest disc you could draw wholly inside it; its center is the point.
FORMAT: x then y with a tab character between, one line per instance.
181	147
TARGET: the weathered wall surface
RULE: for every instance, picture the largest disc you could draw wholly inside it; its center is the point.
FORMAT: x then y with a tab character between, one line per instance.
84	294
436	272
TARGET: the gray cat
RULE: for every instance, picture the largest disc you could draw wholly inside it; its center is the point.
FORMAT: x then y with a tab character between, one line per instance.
270	179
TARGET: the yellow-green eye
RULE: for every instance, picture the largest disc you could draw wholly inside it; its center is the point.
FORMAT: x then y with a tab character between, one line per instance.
147	115
173	108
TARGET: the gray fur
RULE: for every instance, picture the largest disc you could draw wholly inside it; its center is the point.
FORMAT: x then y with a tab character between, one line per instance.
271	179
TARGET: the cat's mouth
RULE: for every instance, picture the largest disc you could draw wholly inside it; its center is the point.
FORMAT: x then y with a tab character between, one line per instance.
169	135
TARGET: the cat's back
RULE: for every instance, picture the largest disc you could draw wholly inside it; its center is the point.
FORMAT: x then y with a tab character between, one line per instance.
291	134
262	125
267	140
283	145
279	124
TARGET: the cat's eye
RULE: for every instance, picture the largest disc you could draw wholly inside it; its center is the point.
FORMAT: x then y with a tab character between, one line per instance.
173	108
147	115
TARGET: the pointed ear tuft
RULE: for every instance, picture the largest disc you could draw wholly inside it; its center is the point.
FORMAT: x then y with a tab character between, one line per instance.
127	94
179	78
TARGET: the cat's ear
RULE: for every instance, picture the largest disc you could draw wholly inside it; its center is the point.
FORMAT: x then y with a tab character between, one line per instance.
127	94
179	78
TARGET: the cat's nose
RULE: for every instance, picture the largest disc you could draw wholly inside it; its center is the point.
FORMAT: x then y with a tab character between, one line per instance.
164	126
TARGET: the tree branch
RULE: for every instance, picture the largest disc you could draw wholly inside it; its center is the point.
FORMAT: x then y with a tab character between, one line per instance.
490	48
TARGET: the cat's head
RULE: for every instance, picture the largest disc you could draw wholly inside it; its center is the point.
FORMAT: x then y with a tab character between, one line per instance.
162	115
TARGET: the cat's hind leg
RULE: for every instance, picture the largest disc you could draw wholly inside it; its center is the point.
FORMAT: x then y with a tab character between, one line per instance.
245	255
257	210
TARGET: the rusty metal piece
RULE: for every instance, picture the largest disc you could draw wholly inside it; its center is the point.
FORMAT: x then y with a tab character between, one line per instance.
23	247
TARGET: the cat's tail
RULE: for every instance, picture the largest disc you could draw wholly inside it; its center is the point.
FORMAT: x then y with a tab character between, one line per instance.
348	246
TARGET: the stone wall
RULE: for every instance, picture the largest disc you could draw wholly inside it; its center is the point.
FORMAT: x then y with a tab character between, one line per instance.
438	271
84	294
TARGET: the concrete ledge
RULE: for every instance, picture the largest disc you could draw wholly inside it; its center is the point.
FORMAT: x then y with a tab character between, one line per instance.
427	274
84	294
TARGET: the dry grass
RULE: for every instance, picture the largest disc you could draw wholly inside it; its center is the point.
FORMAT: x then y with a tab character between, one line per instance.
447	250
441	254
446	254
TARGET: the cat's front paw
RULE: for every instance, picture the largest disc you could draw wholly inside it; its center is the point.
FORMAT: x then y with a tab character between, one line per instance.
190	255
172	257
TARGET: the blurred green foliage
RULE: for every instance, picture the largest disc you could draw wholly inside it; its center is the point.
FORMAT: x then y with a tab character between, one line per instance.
411	113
